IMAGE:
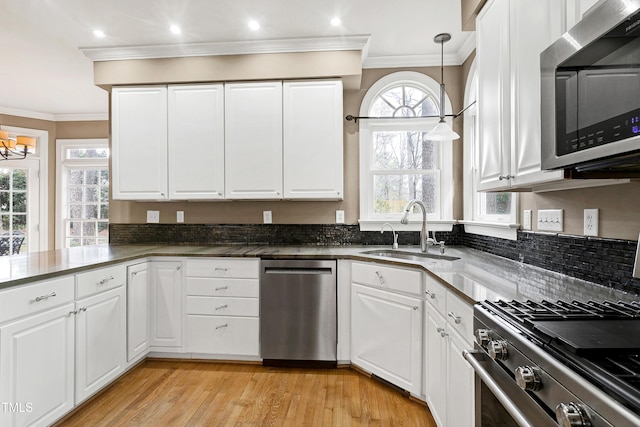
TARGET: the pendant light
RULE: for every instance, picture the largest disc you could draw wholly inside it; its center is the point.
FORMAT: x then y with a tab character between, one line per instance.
442	131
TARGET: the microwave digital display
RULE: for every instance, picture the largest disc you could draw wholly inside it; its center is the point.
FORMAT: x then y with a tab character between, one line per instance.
597	91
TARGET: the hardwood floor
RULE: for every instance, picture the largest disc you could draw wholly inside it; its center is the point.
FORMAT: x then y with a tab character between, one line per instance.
179	393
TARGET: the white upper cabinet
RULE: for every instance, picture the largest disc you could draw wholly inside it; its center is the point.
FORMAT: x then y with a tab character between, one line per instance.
196	142
313	140
576	9
253	140
511	34
139	143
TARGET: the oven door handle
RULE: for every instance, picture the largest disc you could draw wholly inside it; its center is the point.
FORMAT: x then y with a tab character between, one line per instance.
472	358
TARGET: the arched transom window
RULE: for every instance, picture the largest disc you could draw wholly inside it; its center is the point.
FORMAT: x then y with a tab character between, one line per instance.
398	162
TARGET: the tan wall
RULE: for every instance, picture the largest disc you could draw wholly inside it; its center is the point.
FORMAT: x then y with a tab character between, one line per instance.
470	9
250	212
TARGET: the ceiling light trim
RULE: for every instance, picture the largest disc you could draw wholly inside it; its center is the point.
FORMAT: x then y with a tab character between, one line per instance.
310	44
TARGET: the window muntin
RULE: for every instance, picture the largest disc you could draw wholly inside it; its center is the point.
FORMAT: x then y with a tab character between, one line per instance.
397	161
84	192
13	210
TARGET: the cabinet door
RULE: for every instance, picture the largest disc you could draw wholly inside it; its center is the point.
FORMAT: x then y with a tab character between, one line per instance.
460	379
533	28
386	336
137	310
253	140
100	341
196	142
492	62
313	140
436	366
139	143
37	368
166	304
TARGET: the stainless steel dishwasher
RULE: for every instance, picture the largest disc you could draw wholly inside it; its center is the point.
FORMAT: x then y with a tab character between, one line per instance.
298	325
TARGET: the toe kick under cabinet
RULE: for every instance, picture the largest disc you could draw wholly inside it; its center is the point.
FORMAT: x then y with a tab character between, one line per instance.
222	307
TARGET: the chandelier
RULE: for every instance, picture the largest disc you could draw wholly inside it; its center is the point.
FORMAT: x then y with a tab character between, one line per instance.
15	148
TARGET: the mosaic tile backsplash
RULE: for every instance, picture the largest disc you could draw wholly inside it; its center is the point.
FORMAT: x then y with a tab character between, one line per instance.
608	262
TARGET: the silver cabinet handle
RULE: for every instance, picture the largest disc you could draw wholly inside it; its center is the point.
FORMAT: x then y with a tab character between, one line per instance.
222	326
501	177
178	267
134	273
380	278
220	269
415	307
455	318
431	294
221	307
82	309
45	297
105	280
74	312
442	332
222	288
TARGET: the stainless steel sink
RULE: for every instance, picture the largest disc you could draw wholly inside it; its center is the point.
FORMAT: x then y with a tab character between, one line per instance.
411	256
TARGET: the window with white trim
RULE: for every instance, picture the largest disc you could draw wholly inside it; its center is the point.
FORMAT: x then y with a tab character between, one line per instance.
494	210
398	162
83	177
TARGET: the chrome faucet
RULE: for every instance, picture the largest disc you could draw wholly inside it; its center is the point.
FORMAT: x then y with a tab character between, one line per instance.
425	240
395	235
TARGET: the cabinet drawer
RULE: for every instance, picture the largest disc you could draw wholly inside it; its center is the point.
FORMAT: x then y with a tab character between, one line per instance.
223	335
39	296
224	267
436	293
460	316
223	306
387	277
211	287
100	280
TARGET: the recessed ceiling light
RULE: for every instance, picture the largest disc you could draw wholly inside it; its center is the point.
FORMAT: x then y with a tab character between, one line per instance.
98	33
254	25
336	21
175	29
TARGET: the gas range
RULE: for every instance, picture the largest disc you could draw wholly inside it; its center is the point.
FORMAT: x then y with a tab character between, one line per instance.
573	363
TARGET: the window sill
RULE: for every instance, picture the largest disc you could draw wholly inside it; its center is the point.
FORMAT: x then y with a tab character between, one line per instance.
492	229
414	225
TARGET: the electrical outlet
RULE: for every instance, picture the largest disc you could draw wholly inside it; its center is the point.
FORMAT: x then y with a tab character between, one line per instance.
550	220
591	222
339	217
267	218
153	217
526	219
180	216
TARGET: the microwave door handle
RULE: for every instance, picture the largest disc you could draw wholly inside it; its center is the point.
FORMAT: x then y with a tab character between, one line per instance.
502	397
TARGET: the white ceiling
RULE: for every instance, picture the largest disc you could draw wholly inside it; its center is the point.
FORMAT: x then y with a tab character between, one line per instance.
45	74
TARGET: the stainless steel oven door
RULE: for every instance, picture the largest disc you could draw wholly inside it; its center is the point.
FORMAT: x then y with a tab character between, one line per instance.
500	402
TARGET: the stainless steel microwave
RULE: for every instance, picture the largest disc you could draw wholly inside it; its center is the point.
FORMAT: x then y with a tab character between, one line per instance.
590	87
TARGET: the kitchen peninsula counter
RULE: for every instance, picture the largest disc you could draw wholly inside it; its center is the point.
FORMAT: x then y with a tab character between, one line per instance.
475	276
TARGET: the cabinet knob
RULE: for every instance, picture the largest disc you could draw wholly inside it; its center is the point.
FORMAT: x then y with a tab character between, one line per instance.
178	268
134	273
431	294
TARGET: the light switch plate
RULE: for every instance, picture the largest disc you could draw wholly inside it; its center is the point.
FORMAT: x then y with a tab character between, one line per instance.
591	222
526	219
153	217
339	217
550	220
267	218
180	216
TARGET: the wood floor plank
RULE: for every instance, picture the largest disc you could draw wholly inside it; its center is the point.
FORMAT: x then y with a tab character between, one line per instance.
183	393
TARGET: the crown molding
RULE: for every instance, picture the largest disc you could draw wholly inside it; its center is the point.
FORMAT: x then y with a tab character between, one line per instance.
449	59
82	117
27	114
308	44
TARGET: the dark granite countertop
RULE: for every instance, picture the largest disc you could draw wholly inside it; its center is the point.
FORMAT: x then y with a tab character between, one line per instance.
476	276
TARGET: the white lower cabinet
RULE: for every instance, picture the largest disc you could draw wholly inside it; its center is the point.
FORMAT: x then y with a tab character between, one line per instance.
166	305
386	336
223	307
448	378
100	341
137	310
37	368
